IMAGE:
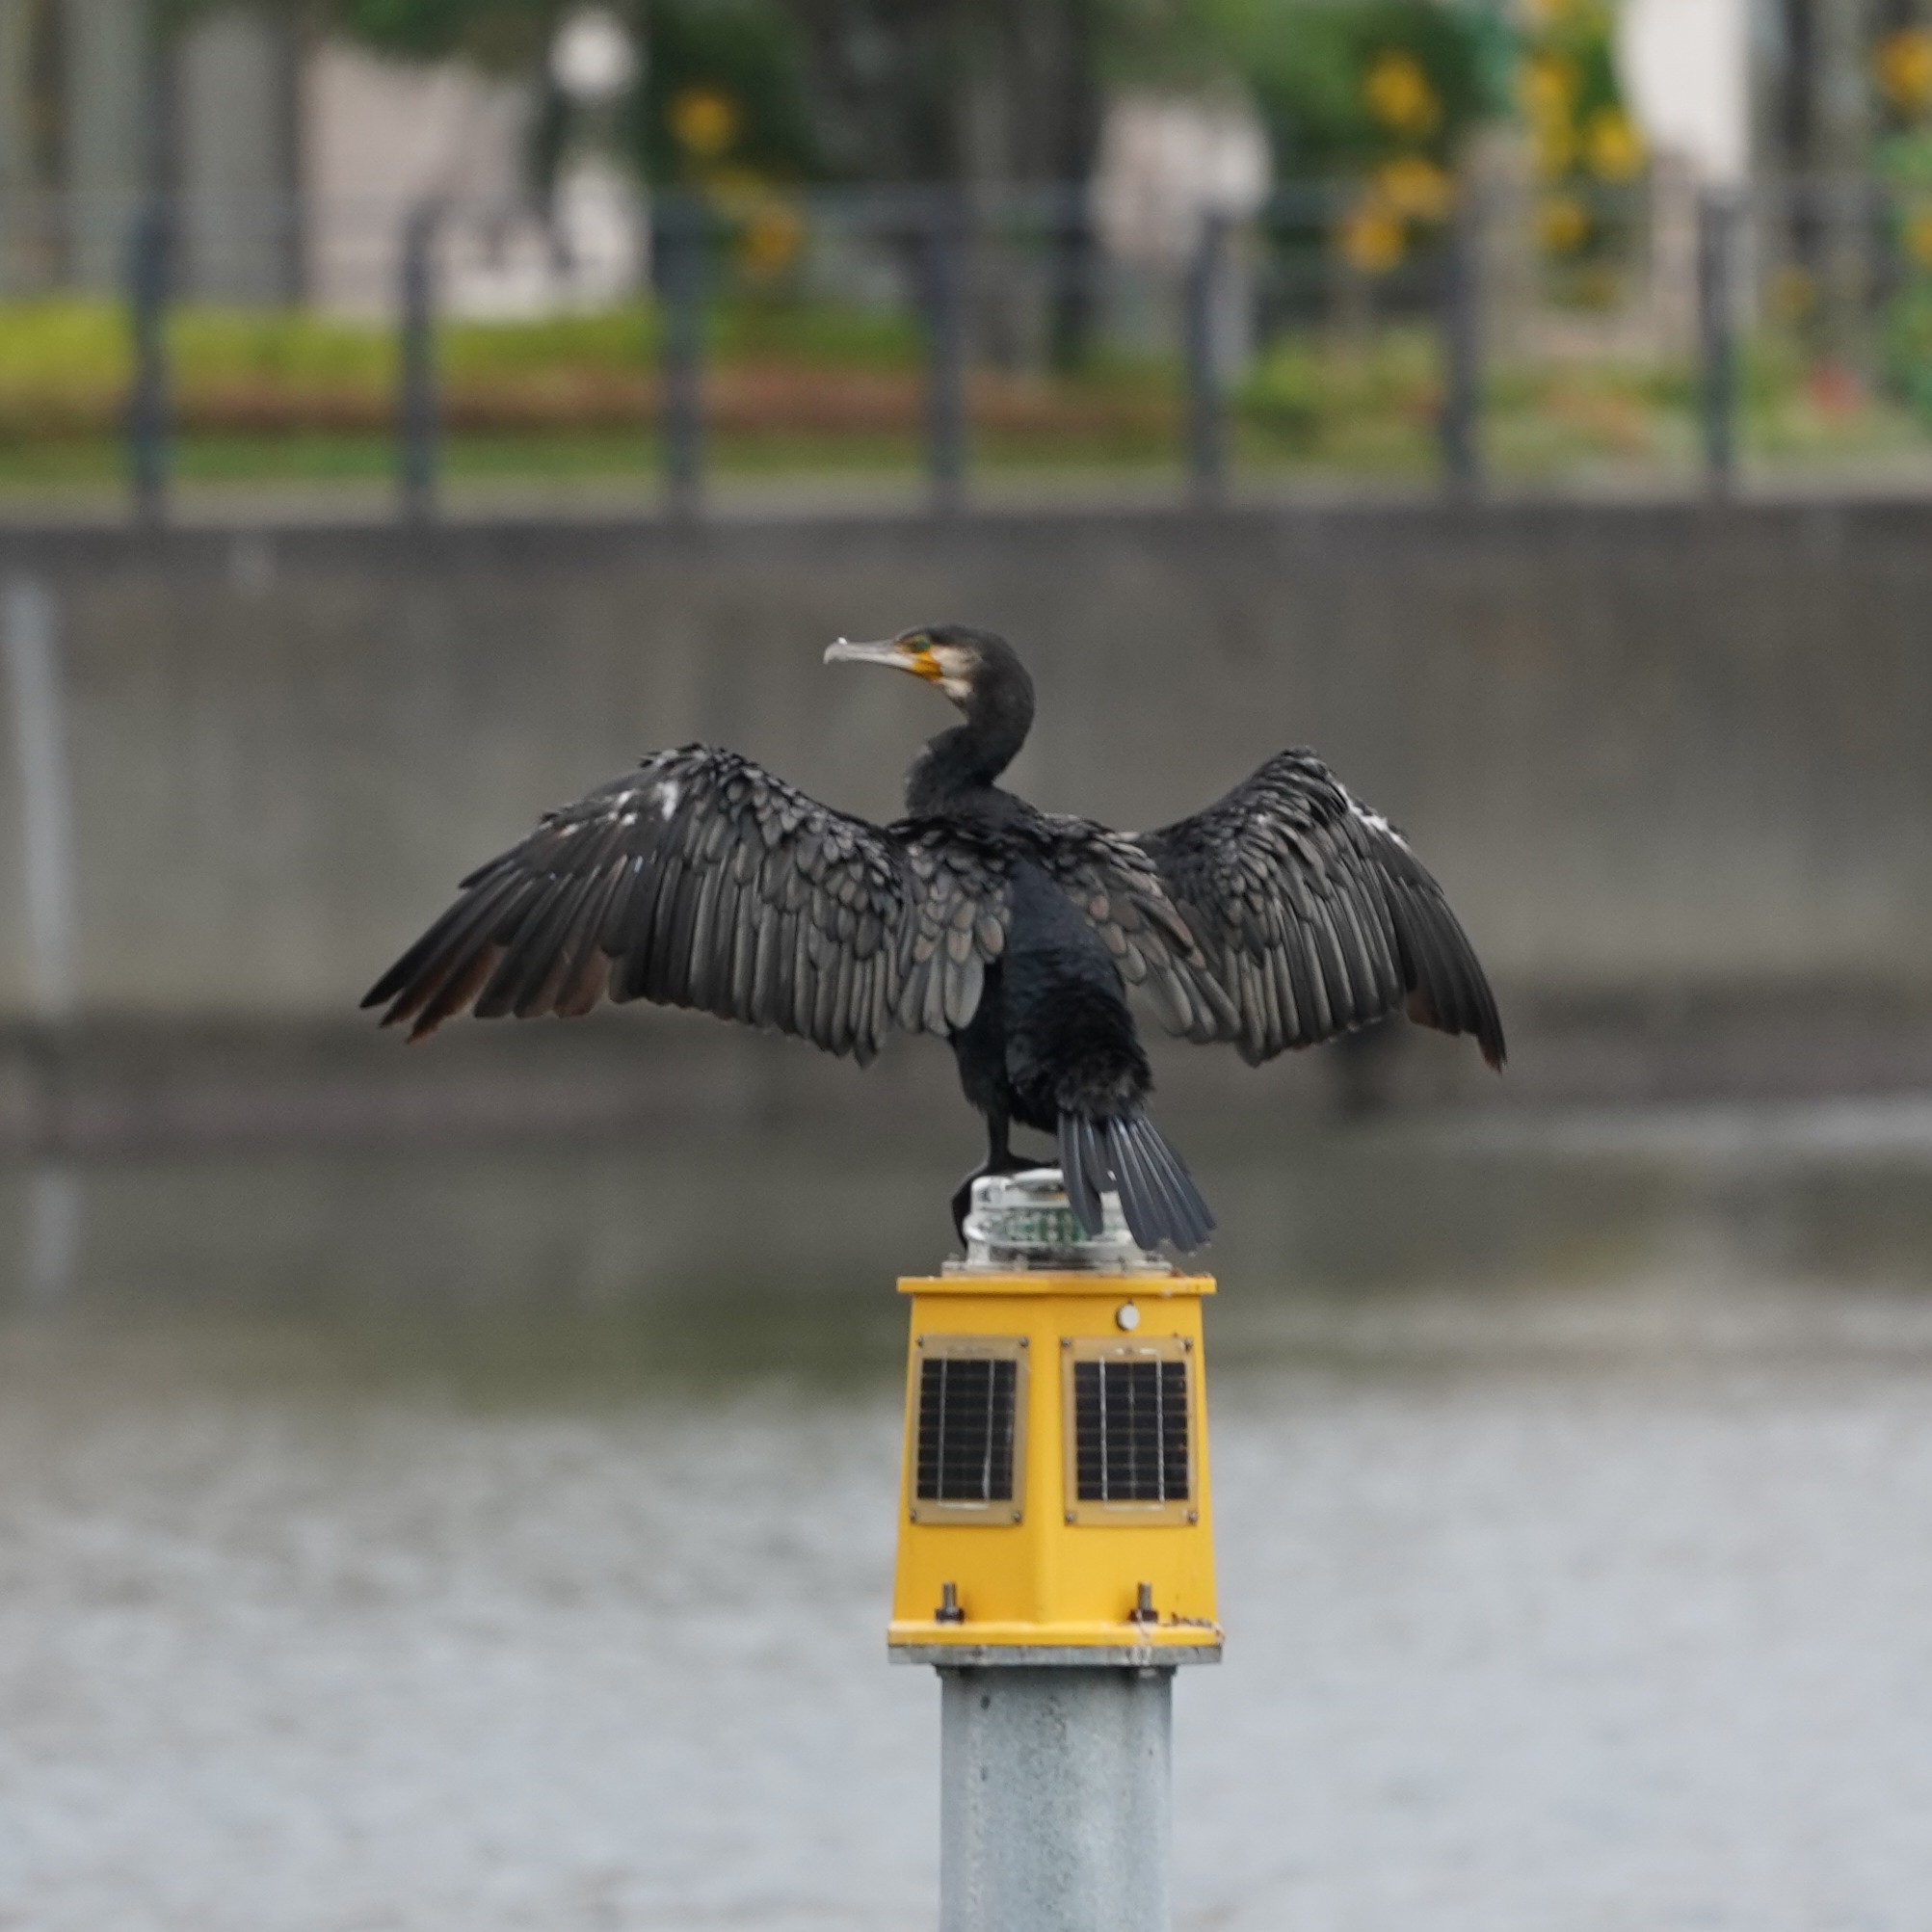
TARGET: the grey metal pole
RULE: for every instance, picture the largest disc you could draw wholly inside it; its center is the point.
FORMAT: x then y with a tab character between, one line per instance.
30	635
681	280
1071	291
1717	338
946	243
1055	1799
147	396
1207	438
1461	350
417	413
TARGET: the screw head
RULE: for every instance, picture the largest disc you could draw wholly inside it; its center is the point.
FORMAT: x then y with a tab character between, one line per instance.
1070	1516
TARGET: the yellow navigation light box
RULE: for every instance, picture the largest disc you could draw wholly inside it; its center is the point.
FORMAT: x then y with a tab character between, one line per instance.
1054	1495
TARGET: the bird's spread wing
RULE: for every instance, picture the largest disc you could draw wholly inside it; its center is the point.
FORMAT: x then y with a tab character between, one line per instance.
699	880
1315	916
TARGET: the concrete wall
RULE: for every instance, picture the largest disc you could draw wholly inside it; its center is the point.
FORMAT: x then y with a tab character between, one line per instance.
1644	748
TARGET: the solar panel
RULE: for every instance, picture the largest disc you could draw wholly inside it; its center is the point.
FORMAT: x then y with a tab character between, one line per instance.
966	1429
1129	1446
1130	1431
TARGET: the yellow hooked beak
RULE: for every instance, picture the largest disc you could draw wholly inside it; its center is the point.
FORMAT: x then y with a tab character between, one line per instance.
912	652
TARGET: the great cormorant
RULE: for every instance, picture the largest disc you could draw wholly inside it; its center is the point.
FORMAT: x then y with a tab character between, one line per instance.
1283	915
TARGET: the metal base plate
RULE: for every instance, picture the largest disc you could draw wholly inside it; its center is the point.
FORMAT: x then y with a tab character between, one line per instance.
1054	1656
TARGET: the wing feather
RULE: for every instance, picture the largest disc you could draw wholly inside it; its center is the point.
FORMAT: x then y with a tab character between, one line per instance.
701	880
1314	917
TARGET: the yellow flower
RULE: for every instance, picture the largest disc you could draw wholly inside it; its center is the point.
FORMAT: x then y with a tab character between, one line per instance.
1554	146
1918	236
1548	85
1414	185
704	121
1904	65
1562	224
1372	238
772	240
1615	148
1399	95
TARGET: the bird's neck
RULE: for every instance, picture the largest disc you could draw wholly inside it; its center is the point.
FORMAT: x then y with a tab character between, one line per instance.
962	762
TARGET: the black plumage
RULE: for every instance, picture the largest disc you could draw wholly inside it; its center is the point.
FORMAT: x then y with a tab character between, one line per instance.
1283	916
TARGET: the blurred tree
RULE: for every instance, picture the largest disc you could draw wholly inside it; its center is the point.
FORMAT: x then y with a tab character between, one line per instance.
976	93
726	91
1379	92
503	36
961	91
1581	138
1902	71
1342	85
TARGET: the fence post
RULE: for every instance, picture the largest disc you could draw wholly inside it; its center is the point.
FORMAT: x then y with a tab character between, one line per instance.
680	368
1461	422
1207	428
946	237
1717	213
1071	313
417	412
148	423
30	637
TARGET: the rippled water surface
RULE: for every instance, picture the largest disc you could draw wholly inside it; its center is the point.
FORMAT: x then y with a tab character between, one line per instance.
500	1540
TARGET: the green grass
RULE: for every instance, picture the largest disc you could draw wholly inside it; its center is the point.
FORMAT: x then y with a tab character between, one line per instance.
70	354
1311	404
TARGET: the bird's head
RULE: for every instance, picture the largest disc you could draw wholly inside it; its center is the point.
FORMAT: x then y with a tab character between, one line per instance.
982	674
976	668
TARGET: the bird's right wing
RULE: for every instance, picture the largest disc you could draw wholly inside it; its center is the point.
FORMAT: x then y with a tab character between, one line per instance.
699	880
1315	916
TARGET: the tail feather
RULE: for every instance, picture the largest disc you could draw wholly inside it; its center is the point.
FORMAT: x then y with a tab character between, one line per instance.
1128	1155
1191	1217
1180	1184
1146	1187
1081	1173
1138	1180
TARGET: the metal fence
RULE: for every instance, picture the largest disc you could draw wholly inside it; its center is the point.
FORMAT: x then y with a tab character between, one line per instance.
1507	339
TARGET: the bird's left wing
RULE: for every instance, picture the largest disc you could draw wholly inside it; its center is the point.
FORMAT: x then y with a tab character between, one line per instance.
700	880
1315	916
